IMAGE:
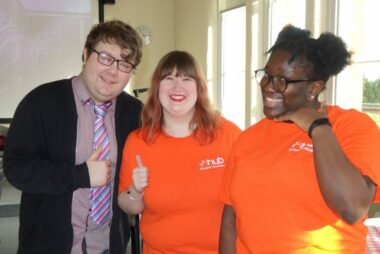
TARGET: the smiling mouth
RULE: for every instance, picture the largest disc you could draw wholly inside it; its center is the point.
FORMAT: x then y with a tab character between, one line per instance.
273	99
270	101
107	80
177	98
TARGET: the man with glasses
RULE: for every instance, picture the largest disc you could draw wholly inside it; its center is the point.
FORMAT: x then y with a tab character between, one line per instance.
64	146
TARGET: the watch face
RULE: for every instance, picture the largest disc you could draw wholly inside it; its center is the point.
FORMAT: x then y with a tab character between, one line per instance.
146	34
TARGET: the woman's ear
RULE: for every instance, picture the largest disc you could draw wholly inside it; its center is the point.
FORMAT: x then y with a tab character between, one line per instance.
315	89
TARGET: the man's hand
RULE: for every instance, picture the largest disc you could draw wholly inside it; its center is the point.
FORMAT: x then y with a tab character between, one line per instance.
99	171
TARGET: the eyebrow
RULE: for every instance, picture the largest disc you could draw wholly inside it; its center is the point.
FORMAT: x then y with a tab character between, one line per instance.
124	59
125	54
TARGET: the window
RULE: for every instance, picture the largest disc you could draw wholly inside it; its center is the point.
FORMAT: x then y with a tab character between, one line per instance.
356	27
233	65
236	82
283	12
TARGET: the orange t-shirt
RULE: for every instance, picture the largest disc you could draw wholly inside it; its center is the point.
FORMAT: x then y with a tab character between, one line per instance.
271	183
182	211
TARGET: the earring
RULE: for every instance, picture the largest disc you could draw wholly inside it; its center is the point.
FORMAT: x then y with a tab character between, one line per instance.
312	97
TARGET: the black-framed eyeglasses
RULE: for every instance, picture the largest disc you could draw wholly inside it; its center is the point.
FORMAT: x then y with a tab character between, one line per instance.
280	84
106	59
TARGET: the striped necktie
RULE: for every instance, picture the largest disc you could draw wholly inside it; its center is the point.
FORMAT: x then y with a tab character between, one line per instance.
100	197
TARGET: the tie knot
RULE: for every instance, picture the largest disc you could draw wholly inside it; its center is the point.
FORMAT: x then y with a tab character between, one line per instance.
100	110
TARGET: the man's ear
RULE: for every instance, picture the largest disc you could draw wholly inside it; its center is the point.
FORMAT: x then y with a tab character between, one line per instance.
85	54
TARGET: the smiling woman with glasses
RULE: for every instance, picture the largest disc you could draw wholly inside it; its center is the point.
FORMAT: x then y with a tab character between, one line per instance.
106	59
302	179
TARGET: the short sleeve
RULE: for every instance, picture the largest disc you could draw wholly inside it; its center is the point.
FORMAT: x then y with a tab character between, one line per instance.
225	185
233	134
359	137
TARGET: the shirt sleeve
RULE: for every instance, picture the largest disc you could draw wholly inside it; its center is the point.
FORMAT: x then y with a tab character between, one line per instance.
39	147
233	134
359	137
225	186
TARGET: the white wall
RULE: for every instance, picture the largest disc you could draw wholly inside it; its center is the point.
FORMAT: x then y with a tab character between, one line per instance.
159	16
176	24
196	32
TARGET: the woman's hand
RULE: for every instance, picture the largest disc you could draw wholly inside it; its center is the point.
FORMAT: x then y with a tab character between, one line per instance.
303	117
131	200
140	176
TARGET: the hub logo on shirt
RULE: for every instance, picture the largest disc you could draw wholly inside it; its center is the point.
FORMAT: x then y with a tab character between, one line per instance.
299	146
218	162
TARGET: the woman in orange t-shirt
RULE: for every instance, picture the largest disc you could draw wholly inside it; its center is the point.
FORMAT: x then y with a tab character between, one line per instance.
172	166
302	179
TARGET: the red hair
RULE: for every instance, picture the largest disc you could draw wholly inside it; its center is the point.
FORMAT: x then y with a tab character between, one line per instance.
205	119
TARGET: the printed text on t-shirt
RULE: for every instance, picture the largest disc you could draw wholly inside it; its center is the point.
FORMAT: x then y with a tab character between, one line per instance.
299	146
218	162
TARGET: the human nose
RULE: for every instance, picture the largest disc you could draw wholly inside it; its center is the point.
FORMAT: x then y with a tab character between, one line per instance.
114	67
177	83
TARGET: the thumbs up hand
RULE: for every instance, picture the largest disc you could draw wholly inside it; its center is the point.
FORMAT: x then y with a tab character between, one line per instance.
140	176
99	171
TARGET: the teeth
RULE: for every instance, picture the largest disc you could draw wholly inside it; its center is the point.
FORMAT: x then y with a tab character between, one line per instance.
272	99
177	97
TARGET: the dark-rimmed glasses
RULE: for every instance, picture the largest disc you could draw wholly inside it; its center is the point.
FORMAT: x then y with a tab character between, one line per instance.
108	60
280	84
